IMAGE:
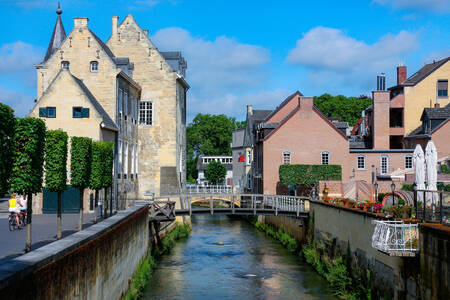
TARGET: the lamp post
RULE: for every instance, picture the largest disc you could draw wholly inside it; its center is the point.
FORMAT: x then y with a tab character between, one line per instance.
393	192
375	185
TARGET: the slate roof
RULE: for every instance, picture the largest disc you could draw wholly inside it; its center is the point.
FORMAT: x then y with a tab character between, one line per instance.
285	101
257	117
340	125
108	122
441	113
424	72
58	36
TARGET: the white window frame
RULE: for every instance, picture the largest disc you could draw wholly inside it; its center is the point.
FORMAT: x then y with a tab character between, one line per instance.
120	170
147	113
132	159
288	155
382	172
120	104
363	162
94	66
125	163
248	158
410	158
322	155
137	159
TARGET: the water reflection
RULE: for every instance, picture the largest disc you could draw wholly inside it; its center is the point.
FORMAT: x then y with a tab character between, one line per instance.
248	265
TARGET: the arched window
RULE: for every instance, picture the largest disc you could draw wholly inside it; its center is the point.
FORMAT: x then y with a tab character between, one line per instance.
286	158
65	65
325	157
94	66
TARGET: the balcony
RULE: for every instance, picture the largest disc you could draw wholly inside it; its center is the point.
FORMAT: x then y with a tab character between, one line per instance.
395	238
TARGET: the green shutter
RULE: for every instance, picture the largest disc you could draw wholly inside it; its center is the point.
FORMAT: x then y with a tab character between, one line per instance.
85	113
43	112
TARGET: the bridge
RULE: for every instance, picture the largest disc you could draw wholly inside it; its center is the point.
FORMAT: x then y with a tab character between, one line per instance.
166	208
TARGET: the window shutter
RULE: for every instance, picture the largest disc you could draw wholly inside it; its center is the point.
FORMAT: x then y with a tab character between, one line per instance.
42	111
442	84
85	113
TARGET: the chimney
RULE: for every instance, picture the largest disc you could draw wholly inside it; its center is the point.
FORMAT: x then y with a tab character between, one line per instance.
146	32
81	22
437	105
249	110
381	82
401	74
380	121
115	21
306	103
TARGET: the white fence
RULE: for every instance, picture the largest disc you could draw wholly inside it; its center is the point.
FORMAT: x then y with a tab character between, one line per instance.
396	238
209	189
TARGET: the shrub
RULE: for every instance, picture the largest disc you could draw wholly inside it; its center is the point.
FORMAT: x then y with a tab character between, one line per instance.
7	125
308	174
215	172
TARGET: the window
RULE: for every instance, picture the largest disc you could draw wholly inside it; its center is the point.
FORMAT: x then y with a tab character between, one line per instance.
119	171
361	162
47	112
408	162
80	112
146	113
125	105
94	66
125	161
249	157
136	153
286	158
65	65
384	164
442	88
325	158
120	104
132	162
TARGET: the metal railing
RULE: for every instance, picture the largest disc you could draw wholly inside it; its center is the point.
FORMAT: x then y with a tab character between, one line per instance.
395	238
432	206
209	189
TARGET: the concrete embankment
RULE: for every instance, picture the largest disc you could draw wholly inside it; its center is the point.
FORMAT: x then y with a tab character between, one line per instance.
95	263
348	232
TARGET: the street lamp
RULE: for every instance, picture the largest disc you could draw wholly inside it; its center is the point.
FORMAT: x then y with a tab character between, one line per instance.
393	192
375	185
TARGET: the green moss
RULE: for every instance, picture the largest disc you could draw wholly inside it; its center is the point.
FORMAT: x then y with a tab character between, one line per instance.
147	265
288	241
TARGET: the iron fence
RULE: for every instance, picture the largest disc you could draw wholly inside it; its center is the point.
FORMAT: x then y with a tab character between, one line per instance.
432	206
395	238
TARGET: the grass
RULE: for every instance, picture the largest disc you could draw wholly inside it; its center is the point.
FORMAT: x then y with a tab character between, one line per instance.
145	268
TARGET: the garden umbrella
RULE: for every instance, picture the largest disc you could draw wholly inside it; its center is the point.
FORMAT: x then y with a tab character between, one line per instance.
419	171
431	161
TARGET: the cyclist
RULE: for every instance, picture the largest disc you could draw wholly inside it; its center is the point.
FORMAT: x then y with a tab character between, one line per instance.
22	201
13	208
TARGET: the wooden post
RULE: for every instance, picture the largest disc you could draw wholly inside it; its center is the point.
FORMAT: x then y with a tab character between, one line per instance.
211	204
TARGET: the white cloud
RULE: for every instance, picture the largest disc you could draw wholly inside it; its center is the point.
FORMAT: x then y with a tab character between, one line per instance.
437	6
218	69
333	57
21	103
437	55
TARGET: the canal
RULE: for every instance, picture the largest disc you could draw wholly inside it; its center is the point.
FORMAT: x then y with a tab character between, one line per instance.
249	265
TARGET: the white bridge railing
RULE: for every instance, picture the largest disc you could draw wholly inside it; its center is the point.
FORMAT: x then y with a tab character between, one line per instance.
396	238
209	189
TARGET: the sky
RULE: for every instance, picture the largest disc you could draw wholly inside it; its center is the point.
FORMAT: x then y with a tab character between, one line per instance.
243	52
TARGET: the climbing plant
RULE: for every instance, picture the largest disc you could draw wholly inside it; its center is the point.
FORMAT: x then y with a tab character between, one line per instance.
308	174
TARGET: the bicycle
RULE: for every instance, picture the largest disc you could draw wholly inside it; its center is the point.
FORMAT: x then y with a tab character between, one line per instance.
13	221
23	218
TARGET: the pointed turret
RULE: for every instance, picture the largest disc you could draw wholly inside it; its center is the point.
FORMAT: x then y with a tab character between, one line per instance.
58	36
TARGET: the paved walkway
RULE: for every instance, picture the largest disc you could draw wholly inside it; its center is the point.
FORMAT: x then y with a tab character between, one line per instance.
12	243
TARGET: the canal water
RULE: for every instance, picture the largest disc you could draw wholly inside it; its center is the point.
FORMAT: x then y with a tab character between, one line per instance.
249	265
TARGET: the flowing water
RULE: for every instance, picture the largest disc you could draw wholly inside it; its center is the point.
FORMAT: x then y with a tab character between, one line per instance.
248	265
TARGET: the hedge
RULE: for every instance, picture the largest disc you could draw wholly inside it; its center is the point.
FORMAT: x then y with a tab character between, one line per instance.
7	124
56	160
80	161
308	174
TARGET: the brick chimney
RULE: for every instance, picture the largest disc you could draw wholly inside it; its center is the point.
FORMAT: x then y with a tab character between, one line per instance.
380	134
80	22
437	105
306	103
401	74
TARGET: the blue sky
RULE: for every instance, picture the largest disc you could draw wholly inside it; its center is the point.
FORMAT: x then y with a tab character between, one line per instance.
243	52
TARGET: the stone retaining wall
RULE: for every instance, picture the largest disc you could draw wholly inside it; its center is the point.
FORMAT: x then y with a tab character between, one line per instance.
95	263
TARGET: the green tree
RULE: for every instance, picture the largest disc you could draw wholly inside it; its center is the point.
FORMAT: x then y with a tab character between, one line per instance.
80	168
108	159
28	161
347	109
56	167
215	172
97	164
7	124
208	135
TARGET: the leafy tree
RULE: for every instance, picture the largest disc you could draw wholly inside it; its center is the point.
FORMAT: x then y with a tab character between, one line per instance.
28	161
208	135
347	109
108	159
80	168
7	124
215	172
97	164
56	167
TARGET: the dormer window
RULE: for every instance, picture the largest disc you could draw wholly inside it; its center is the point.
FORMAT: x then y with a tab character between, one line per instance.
94	66
65	65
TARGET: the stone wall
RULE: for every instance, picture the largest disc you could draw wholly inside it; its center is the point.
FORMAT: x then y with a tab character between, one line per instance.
95	263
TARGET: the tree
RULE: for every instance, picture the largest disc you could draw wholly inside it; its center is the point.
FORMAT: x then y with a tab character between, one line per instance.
347	109
28	161
108	159
80	168
56	167
208	135
96	178
7	124
215	172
